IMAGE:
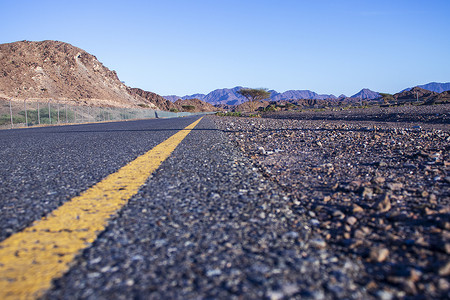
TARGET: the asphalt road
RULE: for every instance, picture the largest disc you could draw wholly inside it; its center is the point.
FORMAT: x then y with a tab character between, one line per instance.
206	224
41	168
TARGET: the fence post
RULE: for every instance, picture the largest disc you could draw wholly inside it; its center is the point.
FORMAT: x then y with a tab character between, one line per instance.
25	107
57	105
65	108
49	113
39	115
10	113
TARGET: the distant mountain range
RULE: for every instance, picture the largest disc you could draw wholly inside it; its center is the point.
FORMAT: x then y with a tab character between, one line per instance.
434	87
231	97
299	94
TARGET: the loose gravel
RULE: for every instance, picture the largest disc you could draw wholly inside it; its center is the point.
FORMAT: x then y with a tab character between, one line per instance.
377	193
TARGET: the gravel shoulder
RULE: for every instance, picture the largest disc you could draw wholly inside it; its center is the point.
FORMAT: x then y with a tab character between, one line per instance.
375	184
430	116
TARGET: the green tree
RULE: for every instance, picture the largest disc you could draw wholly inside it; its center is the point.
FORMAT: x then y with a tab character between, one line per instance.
254	95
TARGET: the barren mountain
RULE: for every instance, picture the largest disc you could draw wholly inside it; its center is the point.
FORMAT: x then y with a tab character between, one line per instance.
298	94
194	105
412	94
437	87
57	70
442	97
153	98
366	94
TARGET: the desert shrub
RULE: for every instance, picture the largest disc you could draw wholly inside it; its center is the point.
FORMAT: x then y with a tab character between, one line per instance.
254	116
271	108
32	115
188	107
229	114
290	105
6	119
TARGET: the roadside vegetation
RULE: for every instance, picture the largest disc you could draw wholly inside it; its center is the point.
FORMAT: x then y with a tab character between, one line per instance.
229	114
33	116
188	108
143	105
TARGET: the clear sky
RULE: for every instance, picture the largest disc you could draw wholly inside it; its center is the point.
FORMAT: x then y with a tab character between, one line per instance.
196	46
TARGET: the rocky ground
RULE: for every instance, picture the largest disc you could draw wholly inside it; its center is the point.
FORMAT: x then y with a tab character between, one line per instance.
428	116
374	184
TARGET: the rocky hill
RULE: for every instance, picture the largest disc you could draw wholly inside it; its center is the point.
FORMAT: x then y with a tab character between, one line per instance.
57	70
153	98
194	105
412	94
443	97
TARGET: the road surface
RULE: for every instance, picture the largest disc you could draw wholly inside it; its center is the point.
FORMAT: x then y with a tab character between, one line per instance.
204	223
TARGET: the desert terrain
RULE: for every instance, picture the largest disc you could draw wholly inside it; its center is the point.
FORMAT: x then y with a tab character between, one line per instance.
374	183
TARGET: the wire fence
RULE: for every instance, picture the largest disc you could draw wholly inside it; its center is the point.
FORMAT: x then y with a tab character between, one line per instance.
27	113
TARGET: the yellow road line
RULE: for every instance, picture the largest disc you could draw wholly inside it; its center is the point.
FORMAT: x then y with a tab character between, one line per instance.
30	259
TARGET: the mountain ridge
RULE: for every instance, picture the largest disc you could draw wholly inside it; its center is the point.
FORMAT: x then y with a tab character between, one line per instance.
230	96
437	87
366	94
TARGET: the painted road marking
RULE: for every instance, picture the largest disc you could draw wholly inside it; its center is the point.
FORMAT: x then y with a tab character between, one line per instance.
30	259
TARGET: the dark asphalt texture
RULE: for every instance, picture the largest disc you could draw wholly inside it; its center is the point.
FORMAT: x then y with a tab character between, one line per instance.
41	168
206	225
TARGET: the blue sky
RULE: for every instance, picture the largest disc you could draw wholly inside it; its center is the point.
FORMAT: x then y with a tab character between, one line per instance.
185	47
